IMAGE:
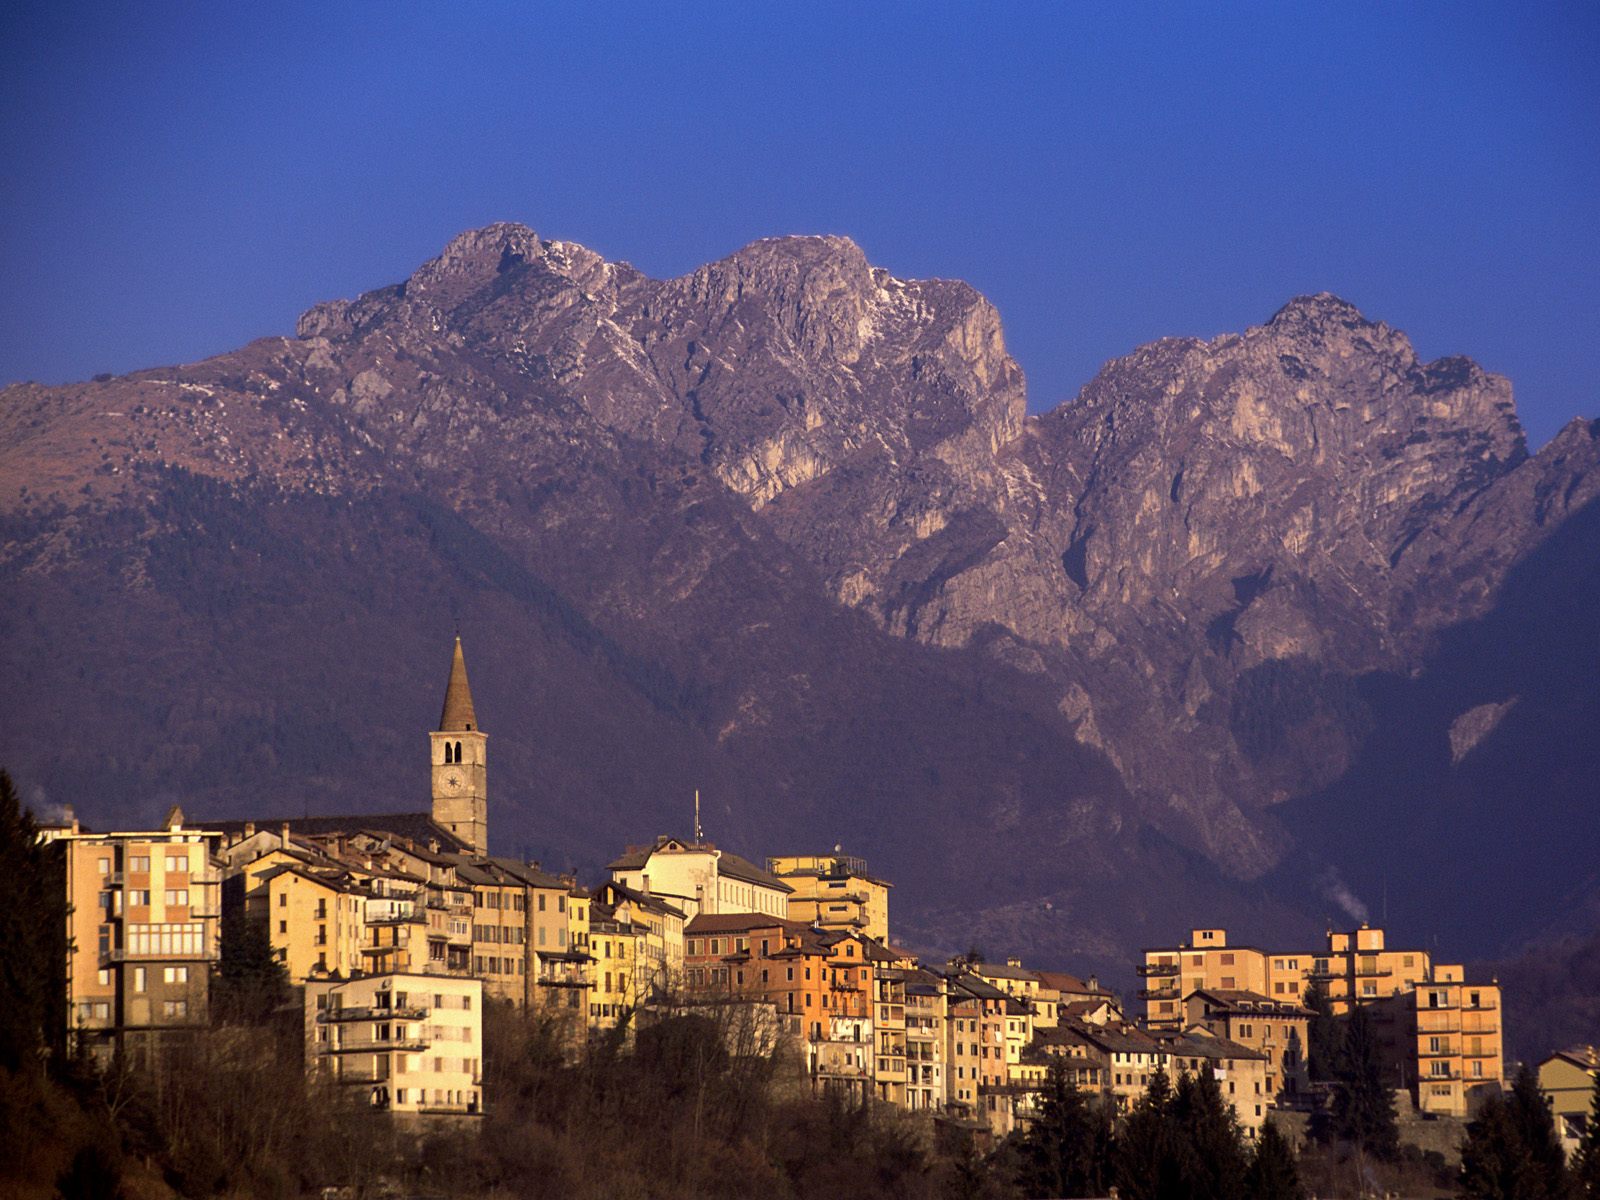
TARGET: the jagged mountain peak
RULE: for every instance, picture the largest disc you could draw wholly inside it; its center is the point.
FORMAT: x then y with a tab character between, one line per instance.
1318	308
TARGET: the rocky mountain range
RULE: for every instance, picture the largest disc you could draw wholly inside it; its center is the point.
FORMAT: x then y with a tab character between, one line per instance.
1274	629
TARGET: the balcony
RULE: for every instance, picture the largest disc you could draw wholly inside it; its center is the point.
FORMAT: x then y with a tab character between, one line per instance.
1157	969
372	1013
1443	1052
377	1046
118	954
1162	993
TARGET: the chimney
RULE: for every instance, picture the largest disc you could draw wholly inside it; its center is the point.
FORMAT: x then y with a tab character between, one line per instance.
644	884
283	834
1014	962
249	829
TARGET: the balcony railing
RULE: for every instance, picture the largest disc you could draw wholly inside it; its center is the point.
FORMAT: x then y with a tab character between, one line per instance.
119	954
376	1045
1164	993
411	1012
1159	969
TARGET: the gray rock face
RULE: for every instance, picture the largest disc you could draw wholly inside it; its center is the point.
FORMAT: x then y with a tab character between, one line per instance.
779	486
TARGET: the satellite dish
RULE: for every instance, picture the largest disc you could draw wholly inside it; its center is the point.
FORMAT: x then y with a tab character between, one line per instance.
838	847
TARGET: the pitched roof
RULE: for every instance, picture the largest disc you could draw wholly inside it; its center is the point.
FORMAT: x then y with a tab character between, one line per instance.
1004	971
1063	982
458	715
1238	1000
1196	1046
643	899
742	868
728	863
739	922
418	827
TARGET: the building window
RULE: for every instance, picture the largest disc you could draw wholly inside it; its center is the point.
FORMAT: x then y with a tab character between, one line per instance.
175	975
138	979
174	1009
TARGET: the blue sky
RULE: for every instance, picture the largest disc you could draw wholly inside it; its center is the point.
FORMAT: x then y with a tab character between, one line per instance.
176	179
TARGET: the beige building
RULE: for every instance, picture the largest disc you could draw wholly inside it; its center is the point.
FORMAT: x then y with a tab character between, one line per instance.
834	891
1275	1029
1566	1080
142	932
1241	1072
927	1014
1353	964
699	879
1443	1041
1358	965
1205	961
407	1044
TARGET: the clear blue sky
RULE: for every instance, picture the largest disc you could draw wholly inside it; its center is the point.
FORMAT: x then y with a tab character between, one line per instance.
176	179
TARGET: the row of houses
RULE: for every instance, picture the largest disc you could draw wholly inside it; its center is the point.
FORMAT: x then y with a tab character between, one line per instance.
398	928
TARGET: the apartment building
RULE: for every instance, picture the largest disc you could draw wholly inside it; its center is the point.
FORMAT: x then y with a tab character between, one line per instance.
1354	964
142	932
405	1043
1275	1029
1443	1041
1205	961
889	1073
927	1007
1357	966
834	891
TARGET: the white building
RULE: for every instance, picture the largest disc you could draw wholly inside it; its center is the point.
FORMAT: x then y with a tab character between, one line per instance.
412	1043
698	878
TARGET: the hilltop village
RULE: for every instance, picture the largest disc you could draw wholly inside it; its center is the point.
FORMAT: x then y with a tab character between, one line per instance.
398	930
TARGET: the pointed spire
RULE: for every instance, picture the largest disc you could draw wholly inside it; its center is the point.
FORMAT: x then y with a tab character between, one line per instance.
458	715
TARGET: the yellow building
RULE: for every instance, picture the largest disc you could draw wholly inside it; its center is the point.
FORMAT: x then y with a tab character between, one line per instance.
927	1013
1275	1029
613	943
1240	1072
834	891
1566	1080
1358	965
659	926
1443	1041
317	923
1205	961
142	929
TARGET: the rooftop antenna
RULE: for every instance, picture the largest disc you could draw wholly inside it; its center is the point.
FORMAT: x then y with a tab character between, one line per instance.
697	835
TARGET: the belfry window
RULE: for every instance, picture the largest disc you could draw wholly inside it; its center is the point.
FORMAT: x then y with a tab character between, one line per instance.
458	751
449	754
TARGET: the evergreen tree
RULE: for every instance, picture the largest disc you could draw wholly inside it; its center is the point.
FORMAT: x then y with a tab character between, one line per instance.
1149	1155
1586	1163
1511	1151
1536	1127
1324	1037
1274	1174
1065	1150
251	981
1212	1145
33	939
1363	1105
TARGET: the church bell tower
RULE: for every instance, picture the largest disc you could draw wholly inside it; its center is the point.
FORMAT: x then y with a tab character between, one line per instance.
461	764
